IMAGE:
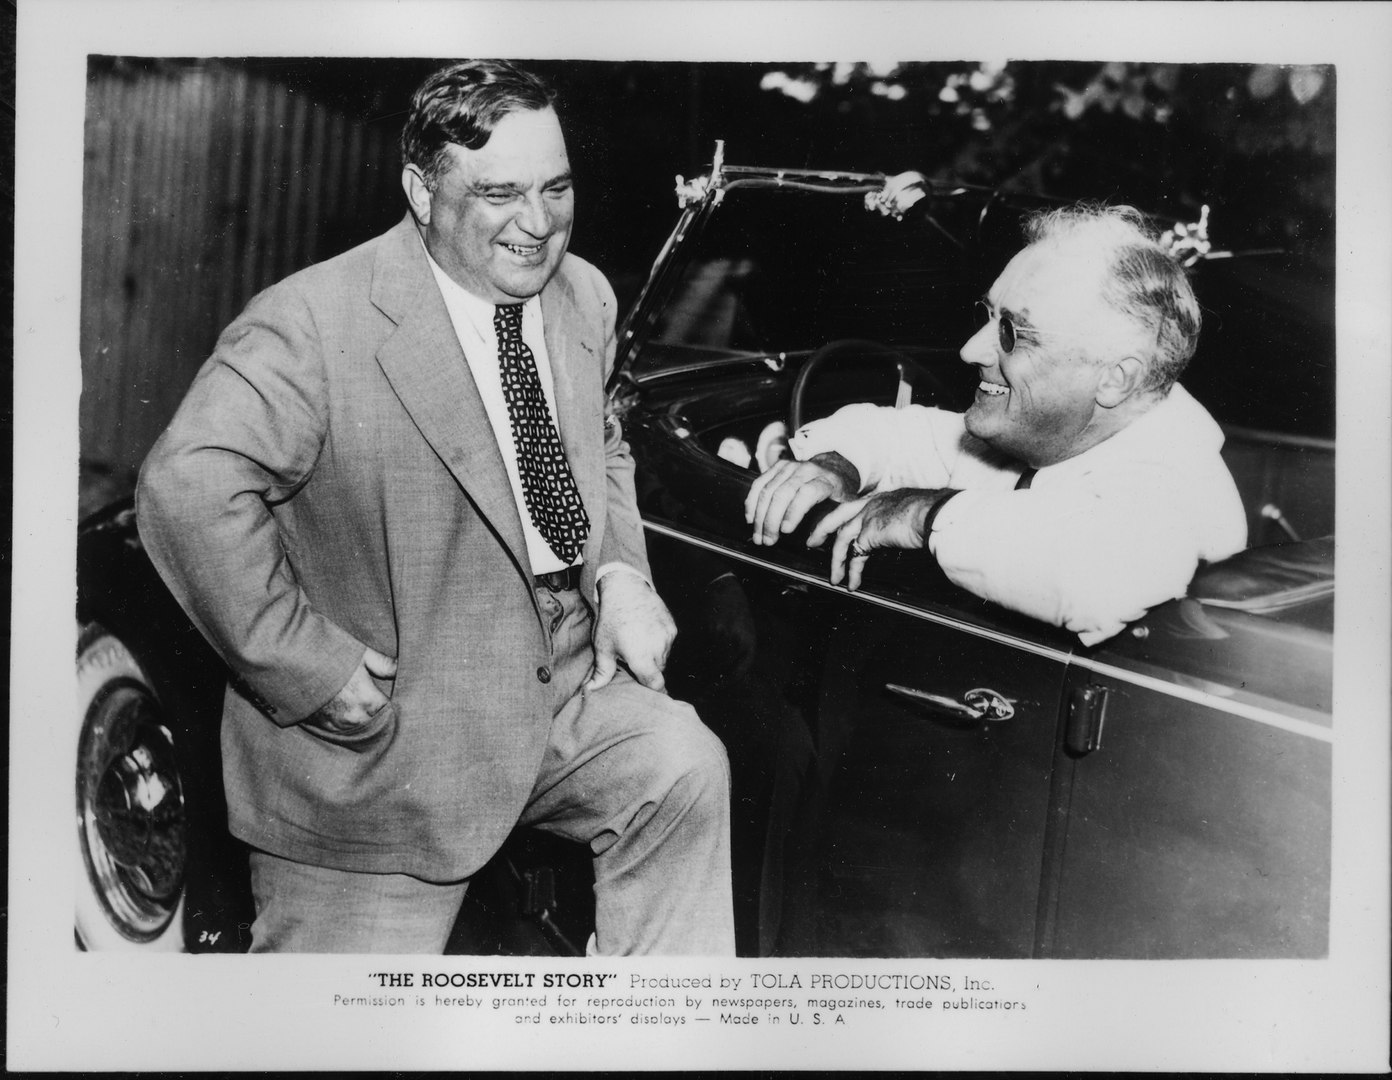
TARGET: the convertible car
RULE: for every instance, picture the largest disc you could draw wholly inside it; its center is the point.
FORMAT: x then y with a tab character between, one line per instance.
917	772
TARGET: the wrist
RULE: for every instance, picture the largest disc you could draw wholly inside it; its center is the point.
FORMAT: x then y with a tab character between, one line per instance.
620	572
930	516
845	472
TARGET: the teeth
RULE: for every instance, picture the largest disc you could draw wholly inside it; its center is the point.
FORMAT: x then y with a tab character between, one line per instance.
992	388
520	250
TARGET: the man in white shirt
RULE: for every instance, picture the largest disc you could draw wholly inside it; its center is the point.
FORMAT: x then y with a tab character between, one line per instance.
1082	486
393	502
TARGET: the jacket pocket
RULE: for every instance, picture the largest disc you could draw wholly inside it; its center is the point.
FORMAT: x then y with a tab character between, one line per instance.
379	730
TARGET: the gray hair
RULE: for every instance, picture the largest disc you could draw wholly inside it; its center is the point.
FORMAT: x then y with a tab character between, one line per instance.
1144	281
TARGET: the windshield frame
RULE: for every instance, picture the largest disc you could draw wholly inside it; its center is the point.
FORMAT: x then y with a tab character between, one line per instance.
699	199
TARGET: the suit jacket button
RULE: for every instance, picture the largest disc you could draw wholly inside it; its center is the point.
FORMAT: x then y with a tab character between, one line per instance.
543	674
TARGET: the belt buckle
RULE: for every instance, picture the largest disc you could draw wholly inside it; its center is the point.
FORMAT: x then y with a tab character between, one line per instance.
557	580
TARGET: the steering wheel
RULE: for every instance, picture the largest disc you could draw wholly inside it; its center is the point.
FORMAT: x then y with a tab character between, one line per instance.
911	375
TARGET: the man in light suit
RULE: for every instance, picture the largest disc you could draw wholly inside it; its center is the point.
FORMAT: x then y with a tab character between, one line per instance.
393	502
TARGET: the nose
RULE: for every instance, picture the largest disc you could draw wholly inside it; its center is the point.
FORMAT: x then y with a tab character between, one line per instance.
980	348
535	217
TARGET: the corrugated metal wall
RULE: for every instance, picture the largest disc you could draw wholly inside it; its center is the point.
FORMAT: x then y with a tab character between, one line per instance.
203	184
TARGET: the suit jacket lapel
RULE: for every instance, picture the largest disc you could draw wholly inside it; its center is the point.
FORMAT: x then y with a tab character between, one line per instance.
426	367
576	366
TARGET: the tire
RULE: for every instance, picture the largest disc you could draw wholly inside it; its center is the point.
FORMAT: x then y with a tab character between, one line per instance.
132	824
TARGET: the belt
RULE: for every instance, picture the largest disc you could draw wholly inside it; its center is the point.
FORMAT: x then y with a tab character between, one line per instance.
559	580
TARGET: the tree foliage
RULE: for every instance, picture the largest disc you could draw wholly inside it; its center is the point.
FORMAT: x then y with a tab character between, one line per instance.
1253	142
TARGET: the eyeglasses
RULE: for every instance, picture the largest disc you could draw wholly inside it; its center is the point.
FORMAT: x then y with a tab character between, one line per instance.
1009	334
1005	326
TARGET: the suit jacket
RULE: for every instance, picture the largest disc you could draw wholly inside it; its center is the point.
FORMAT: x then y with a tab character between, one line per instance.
331	481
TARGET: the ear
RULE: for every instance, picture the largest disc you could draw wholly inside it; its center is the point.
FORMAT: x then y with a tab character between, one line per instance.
1119	380
417	193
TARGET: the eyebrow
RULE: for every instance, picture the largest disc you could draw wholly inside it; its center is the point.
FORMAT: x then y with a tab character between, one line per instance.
1021	319
503	185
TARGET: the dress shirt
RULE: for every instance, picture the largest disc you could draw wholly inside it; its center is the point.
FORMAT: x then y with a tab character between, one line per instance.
472	318
1095	540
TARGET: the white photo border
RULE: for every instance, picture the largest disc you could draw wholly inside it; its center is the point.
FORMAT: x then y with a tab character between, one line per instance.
84	1012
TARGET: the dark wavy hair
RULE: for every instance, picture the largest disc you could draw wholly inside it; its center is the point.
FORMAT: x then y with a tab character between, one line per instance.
1145	281
462	104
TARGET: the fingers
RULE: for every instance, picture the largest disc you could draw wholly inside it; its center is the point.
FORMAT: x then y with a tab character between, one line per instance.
850	549
605	664
369	699
384	667
356	702
841	549
760	482
802	499
647	671
768	496
362	696
892	519
781	497
854	570
644	655
833	521
648	674
756	501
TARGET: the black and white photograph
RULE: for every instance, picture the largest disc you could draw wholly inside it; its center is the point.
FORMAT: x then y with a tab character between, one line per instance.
747	535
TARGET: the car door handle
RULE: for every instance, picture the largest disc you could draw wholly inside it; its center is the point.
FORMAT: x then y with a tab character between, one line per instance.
975	708
1087	713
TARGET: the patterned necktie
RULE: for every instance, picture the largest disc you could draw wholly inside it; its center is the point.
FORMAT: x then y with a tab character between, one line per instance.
547	483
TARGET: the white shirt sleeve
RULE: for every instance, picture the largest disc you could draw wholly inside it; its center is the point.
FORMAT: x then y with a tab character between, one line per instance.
1096	540
1088	554
914	447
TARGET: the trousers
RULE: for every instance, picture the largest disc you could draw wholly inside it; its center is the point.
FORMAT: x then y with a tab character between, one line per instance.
627	771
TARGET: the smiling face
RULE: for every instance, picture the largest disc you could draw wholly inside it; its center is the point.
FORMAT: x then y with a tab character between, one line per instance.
499	219
1039	402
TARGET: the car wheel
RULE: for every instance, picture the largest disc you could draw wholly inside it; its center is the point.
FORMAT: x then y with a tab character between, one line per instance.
131	822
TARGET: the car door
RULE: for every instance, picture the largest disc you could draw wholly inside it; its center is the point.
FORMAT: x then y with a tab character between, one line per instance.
1194	791
937	740
920	824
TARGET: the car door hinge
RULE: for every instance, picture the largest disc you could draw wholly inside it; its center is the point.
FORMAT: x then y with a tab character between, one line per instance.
1087	712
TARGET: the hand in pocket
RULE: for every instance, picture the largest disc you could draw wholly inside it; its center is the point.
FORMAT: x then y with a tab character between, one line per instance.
357	709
